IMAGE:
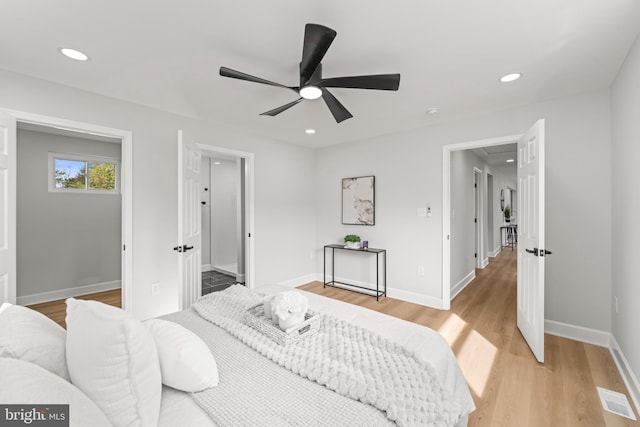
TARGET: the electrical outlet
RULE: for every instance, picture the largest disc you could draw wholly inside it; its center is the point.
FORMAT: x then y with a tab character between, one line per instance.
420	270
155	289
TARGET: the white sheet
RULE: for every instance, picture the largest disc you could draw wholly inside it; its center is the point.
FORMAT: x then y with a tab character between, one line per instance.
179	409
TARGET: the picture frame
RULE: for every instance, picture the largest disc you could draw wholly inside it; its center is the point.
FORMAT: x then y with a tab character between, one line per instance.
358	200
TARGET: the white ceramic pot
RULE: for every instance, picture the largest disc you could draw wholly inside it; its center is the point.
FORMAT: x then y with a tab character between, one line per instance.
291	321
353	245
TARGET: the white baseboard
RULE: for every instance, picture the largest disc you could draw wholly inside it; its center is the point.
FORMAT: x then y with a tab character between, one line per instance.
459	287
577	333
68	293
627	374
206	267
485	262
302	280
415	298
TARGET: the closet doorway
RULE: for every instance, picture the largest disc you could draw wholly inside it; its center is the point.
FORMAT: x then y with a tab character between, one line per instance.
224	228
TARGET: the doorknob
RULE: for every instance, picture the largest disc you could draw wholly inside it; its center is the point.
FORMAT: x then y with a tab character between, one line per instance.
178	249
185	248
532	251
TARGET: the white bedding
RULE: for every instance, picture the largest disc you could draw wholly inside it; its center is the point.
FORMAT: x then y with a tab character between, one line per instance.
178	408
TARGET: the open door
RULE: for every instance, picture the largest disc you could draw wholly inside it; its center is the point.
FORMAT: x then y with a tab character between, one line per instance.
189	222
8	166
531	243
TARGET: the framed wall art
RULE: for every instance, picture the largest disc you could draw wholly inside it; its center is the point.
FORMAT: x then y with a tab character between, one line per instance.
358	200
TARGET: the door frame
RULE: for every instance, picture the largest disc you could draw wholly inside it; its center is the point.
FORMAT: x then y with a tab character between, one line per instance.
249	247
478	214
126	183
446	204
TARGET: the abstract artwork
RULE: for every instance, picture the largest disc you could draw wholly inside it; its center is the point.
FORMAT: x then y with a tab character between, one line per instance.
358	200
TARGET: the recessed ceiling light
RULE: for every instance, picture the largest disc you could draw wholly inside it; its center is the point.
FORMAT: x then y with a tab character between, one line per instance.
73	54
433	111
310	92
510	160
217	163
510	77
310	131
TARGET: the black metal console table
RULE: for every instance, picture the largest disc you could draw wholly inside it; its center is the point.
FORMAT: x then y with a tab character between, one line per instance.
378	252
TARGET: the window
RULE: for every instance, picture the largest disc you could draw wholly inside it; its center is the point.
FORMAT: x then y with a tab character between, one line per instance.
71	173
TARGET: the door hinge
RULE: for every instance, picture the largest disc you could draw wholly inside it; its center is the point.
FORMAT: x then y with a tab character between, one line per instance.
475	220
124	247
475	255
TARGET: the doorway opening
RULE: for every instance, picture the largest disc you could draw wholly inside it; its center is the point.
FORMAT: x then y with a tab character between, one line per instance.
223	221
100	180
449	213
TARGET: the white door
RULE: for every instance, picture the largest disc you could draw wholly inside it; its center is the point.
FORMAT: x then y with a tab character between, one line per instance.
189	222
8	168
531	244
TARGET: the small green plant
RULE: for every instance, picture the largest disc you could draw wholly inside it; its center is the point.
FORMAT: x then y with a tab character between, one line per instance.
507	212
351	238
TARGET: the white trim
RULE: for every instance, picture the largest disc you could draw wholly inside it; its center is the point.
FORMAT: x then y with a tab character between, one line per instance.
126	179
415	298
205	268
459	287
68	293
446	205
577	333
302	280
627	374
485	262
211	150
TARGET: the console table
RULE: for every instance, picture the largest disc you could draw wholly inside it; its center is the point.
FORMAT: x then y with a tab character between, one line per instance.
377	292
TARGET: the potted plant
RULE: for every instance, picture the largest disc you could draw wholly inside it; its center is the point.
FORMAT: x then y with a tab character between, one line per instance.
507	214
352	241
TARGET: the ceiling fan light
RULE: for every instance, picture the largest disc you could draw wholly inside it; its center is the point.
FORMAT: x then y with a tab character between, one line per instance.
74	54
310	92
510	77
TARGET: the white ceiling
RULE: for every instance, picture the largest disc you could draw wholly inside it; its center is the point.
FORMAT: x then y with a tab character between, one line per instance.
450	54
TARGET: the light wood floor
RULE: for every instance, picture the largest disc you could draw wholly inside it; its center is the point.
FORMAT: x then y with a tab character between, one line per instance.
509	387
56	310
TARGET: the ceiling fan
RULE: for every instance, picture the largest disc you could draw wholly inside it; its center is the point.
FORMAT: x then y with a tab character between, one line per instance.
317	39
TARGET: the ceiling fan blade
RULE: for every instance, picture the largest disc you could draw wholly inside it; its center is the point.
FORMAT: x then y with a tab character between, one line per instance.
279	110
317	39
377	81
337	109
228	72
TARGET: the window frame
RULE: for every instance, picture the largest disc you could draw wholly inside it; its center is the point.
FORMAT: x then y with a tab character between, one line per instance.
87	158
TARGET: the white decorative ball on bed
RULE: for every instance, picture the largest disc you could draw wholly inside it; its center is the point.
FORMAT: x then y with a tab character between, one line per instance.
290	307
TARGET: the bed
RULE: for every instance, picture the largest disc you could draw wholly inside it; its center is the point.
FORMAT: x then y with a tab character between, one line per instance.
250	388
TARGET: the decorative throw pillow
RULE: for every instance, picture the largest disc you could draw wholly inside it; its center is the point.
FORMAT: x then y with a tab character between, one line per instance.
112	358
186	362
28	335
25	383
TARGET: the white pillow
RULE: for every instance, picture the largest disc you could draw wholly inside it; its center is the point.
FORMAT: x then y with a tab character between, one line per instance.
25	383
28	335
112	358
185	360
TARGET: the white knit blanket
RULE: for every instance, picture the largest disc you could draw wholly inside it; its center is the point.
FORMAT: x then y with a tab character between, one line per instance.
349	360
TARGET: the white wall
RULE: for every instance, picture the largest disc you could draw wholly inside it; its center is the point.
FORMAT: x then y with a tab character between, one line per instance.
283	176
64	240
408	170
625	103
